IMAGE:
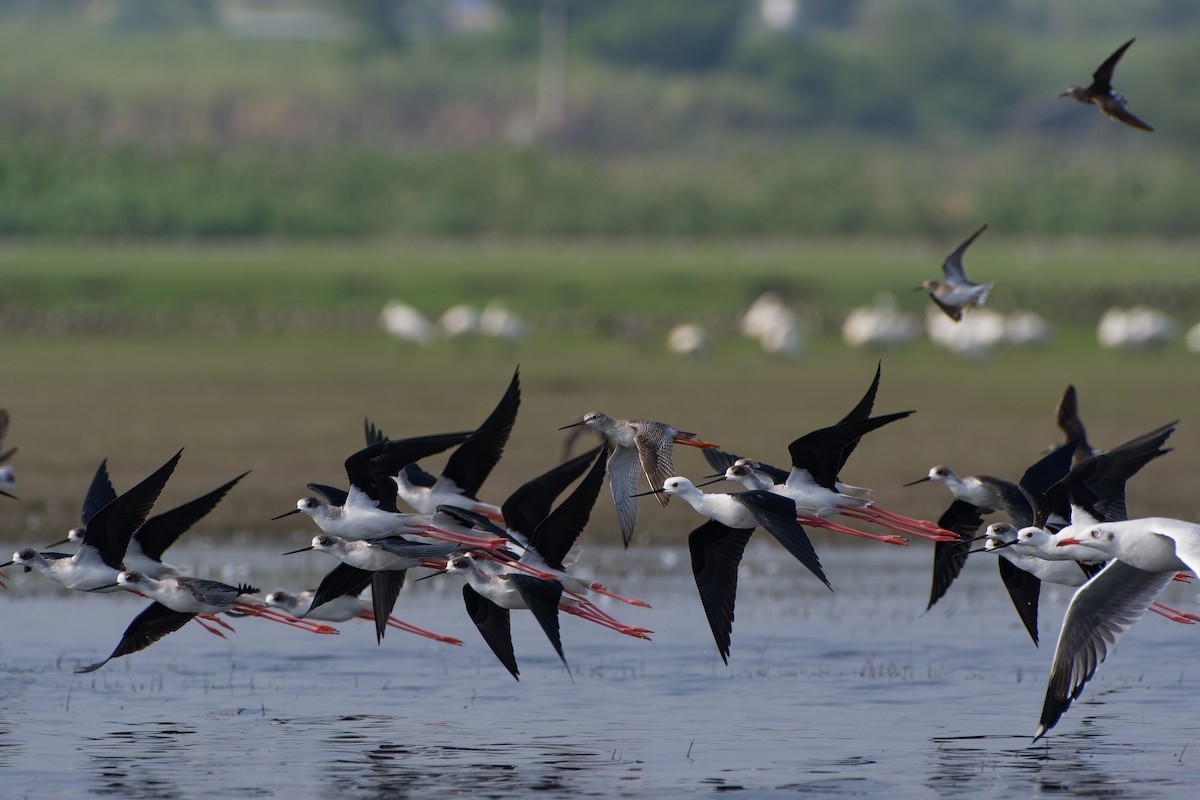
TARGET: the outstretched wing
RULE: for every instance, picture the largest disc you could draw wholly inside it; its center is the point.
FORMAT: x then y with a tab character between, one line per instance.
155	622
1102	77
1098	615
160	531
469	466
716	551
777	515
385	588
492	622
1024	589
953	266
542	597
949	557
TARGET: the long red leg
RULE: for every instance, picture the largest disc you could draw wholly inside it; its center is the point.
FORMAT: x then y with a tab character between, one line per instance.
601	589
287	619
196	619
1174	614
866	514
821	522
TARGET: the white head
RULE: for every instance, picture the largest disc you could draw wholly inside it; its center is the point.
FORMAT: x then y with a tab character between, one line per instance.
462	564
26	555
281	600
132	579
1095	538
327	543
678	485
999	534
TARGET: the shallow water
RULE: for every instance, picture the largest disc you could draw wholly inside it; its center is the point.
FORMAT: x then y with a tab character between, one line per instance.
851	693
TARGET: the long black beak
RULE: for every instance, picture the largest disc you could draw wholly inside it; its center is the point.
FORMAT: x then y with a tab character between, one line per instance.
430	575
720	475
301	550
919	480
6	494
102	588
8	564
56	544
286	514
710	483
991	549
572	425
652	491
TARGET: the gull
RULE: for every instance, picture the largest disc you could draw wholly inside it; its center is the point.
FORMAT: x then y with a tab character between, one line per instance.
177	601
1146	556
1101	93
637	445
1092	491
957	292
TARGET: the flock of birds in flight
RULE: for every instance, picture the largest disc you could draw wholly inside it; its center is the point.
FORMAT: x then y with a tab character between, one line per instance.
1067	524
956	293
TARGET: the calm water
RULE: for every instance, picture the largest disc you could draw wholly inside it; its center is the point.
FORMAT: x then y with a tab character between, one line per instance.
855	693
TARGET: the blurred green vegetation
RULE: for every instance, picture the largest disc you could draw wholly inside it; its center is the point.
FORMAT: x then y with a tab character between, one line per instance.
146	119
632	287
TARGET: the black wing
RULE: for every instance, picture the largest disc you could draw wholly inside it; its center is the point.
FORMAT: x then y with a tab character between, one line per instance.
492	622
385	588
716	551
333	495
111	528
155	622
160	531
949	557
777	515
529	506
1024	589
99	494
542	597
419	477
557	533
1102	77
1067	417
1035	486
371	434
859	412
371	469
473	519
474	460
820	452
341	580
1097	484
721	461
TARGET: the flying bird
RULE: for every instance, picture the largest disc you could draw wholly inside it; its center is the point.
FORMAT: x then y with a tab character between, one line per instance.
1101	94
957	292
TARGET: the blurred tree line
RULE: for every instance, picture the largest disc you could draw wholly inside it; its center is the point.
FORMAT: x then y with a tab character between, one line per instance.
729	117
